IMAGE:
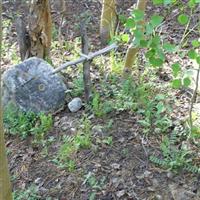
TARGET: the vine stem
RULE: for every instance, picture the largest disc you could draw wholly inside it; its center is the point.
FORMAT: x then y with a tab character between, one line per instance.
186	28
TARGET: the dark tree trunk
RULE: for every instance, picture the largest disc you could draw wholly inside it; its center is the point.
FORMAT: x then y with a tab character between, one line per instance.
39	28
35	40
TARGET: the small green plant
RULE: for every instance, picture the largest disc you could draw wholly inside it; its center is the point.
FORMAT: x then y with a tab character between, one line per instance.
108	140
25	124
44	124
66	151
95	185
82	141
18	122
131	96
72	144
156	115
31	193
100	108
78	87
175	159
97	106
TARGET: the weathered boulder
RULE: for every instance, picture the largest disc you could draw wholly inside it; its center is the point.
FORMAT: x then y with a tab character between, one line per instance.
30	87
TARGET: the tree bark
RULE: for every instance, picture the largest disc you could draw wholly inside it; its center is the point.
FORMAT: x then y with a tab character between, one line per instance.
108	20
39	28
132	51
5	185
23	39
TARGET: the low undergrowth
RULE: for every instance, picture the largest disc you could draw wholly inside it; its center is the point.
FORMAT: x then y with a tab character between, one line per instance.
24	124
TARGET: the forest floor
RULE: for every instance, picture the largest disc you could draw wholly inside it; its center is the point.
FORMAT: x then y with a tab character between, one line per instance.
115	164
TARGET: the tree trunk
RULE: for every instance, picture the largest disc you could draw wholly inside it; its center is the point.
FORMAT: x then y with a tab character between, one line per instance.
23	39
39	28
108	20
5	185
132	51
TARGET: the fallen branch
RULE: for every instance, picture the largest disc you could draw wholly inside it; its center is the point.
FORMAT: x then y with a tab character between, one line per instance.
88	57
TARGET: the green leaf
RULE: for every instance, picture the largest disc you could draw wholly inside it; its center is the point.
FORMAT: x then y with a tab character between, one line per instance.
149	29
191	3
183	19
138	34
156	62
198	60
157	2
143	43
160	107
160	53
195	43
150	53
186	81
122	19
156	20
176	83
176	69
166	2
130	23
192	54
138	15
160	97
155	41
125	37
169	47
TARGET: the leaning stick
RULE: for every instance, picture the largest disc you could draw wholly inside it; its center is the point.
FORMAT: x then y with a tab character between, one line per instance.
83	58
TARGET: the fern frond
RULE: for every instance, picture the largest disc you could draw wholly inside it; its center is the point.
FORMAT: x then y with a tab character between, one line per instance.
192	168
158	161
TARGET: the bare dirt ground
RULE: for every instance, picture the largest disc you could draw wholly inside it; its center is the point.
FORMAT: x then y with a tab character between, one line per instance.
122	170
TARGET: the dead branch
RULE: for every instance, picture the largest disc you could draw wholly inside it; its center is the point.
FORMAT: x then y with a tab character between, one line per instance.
88	57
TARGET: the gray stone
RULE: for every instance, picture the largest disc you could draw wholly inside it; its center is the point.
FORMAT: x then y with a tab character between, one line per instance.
30	86
75	104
